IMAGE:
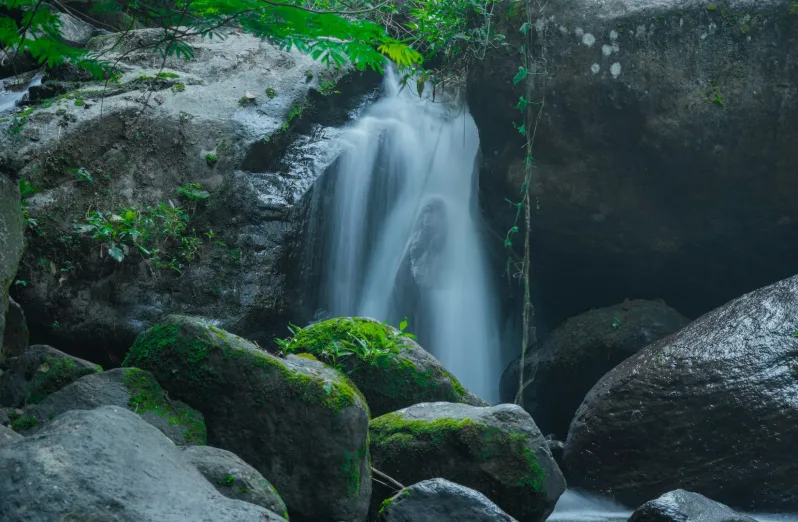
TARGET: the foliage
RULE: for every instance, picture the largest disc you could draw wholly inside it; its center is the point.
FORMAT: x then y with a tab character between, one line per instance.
346	345
193	191
26	190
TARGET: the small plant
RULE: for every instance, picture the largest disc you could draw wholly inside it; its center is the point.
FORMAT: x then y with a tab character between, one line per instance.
308	75
193	191
79	102
270	93
26	190
210	159
616	323
712	8
68	267
178	87
163	75
56	325
20	282
228	481
82	174
327	88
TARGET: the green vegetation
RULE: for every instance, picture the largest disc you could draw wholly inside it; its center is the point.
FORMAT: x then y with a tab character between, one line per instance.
793	8
23	423
210	159
178	87
228	481
270	93
53	374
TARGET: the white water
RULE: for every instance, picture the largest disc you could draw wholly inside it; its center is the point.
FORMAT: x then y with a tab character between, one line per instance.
402	227
578	506
14	89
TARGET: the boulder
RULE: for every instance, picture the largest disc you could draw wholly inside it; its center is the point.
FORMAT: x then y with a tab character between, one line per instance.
401	374
234	478
641	161
11	245
497	451
301	424
139	140
709	409
579	352
75	32
438	500
129	388
15	337
108	464
7	436
681	505
38	372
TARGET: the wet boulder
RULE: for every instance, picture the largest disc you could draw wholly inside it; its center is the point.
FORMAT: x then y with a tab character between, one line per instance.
108	464
15	337
11	244
681	505
300	423
129	388
497	451
709	409
38	372
396	374
234	478
438	500
579	352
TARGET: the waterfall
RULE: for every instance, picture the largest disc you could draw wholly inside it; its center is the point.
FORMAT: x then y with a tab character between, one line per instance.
401	234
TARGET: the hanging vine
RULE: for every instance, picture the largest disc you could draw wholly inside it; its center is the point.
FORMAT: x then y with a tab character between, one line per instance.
531	111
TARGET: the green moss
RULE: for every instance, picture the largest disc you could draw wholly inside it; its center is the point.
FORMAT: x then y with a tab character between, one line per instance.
166	74
178	87
793	8
712	8
388	501
270	93
307	356
23	423
55	373
228	481
79	102
210	159
351	467
147	395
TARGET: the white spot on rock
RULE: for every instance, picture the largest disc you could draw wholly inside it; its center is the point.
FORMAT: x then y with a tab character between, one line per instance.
641	31
588	39
613	35
606	50
615	47
681	22
563	29
595	68
615	69
579	32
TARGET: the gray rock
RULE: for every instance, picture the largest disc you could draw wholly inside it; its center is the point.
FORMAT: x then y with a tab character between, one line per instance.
644	186
298	422
497	451
75	32
108	464
234	478
15	337
438	500
11	244
709	409
579	352
38	372
7	436
129	388
412	376
683	506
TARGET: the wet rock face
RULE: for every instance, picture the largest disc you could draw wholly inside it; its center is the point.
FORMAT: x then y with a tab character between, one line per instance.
11	243
579	352
709	409
681	505
666	149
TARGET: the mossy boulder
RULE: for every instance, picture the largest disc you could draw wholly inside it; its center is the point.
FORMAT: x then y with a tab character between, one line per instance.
300	423
497	451
38	372
234	478
131	388
405	374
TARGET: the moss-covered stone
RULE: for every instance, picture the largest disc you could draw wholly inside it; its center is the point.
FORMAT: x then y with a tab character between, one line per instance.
303	425
395	372
497	451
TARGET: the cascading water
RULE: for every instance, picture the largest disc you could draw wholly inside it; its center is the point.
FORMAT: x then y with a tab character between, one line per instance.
402	235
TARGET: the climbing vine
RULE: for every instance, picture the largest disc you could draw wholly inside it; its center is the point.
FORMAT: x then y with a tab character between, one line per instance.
531	67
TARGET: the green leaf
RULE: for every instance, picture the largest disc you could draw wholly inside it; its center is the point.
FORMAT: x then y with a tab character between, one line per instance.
403	325
520	75
116	253
524	28
522	104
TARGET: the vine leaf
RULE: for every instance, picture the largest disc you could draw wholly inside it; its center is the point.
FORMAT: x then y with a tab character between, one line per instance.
520	75
524	28
522	104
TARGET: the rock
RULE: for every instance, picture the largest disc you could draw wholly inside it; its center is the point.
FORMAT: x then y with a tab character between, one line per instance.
681	505
75	32
497	451
298	422
108	464
15	337
638	158
556	447
129	388
4	420
234	478
407	374
438	500
11	244
38	372
579	352
709	409
139	158
7	436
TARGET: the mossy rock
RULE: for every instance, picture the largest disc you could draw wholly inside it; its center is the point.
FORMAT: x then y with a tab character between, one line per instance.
408	376
38	372
131	388
234	478
497	451
300	423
